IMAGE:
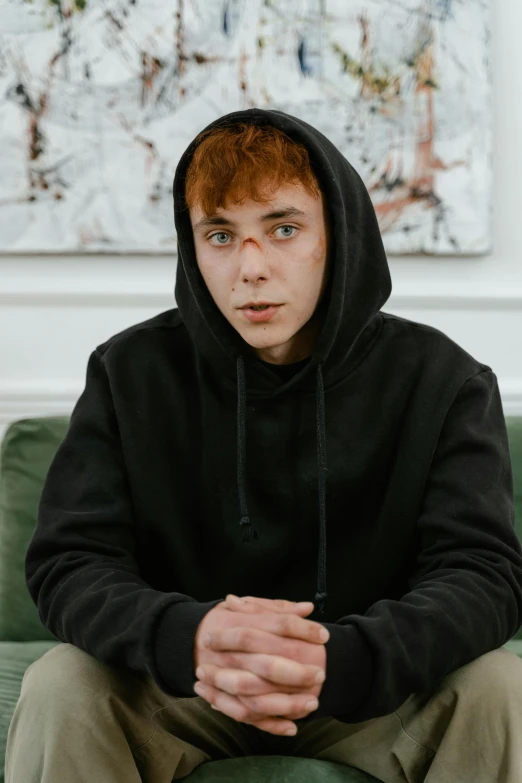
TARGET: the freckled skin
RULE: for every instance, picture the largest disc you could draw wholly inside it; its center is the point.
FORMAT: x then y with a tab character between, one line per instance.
256	260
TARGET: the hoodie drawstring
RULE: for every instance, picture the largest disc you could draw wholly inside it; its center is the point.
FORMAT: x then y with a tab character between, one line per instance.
250	530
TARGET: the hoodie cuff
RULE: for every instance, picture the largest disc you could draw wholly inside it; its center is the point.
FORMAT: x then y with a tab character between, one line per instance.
349	674
173	646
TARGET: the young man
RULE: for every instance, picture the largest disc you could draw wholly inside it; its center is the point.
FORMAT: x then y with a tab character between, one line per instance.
373	478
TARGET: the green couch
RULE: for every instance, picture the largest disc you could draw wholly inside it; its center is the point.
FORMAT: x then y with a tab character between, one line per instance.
25	455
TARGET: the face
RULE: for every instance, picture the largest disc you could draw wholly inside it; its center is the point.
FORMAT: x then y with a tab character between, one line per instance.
276	251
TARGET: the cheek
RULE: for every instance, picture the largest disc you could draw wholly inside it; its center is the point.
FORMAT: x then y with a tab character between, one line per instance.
319	254
214	276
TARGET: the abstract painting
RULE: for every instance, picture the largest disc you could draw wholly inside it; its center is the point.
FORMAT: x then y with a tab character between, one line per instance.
99	99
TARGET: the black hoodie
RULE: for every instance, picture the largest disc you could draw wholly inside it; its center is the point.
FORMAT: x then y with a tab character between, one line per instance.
373	479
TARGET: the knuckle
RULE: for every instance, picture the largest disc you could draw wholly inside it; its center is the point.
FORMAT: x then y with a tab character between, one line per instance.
241	636
253	710
285	624
256	706
248	639
271	669
233	660
296	708
253	638
247	686
294	713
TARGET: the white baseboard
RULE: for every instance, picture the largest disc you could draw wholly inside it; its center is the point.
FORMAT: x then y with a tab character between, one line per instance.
27	400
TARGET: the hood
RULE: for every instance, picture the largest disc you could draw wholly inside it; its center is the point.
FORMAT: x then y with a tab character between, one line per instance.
359	285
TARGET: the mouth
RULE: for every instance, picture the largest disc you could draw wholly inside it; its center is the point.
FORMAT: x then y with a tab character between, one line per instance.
260	312
259	305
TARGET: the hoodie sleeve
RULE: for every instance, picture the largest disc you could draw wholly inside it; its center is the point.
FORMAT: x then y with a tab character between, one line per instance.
465	594
80	564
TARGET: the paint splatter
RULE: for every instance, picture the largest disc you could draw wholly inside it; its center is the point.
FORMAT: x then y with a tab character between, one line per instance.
99	100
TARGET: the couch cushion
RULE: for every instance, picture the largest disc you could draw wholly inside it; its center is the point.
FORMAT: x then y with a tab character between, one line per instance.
515	645
278	769
27	449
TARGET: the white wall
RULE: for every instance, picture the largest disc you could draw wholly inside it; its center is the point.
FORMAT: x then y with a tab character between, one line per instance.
55	310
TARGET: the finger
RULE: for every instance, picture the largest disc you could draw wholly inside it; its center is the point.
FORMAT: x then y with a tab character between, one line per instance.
239	682
280	604
235	708
279	627
248	708
283	705
244	685
252	604
234	681
275	668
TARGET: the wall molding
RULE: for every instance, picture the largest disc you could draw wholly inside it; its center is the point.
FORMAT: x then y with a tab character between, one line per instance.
28	399
18	401
417	300
140	293
127	296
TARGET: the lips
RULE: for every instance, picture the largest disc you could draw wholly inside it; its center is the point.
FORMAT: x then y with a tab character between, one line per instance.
260	315
259	304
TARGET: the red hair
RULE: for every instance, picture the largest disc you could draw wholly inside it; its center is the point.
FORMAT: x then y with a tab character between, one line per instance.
231	164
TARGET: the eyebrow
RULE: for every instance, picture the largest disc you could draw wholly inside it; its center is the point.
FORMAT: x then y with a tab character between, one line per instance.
220	220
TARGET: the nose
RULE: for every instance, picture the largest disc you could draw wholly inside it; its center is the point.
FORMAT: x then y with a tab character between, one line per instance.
252	260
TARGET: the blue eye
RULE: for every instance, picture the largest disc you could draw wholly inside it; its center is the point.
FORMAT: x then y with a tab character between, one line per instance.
292	227
219	234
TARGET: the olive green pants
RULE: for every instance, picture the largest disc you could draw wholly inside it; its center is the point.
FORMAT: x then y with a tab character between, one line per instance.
78	719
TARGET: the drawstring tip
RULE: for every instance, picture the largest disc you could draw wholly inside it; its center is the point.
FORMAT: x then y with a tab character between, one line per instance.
320	598
250	530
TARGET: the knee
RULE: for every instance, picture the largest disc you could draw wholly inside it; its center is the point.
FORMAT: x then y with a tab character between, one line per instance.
492	678
65	672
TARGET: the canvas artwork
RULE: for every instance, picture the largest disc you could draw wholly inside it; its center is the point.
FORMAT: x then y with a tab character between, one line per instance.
99	98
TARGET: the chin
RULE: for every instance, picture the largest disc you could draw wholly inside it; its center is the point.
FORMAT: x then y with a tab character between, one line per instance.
266	341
